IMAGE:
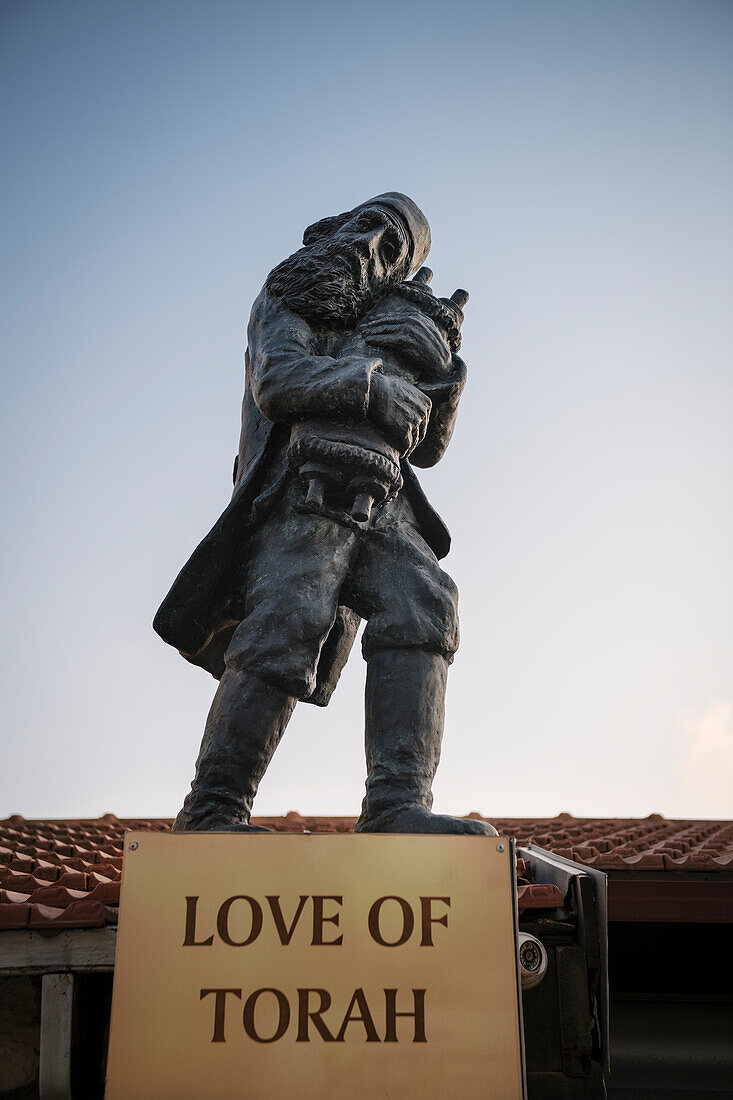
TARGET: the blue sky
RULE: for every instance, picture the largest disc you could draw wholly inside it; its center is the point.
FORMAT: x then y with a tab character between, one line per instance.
574	160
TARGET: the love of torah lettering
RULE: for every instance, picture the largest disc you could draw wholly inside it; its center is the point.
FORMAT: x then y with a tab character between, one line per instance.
269	1014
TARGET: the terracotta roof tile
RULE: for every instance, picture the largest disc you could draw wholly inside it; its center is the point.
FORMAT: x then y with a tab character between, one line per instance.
41	916
66	874
653	843
14	915
537	895
13	897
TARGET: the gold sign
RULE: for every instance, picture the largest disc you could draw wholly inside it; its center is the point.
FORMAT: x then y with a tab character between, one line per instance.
319	967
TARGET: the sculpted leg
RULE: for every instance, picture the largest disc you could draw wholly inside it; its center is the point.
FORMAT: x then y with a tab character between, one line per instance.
405	696
244	727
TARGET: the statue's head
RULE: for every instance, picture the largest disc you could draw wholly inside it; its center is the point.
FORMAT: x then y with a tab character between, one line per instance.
349	260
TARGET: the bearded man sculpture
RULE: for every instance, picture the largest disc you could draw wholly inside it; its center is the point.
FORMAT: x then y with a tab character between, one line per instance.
352	378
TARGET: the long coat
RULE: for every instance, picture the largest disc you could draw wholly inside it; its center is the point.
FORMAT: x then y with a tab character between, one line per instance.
289	374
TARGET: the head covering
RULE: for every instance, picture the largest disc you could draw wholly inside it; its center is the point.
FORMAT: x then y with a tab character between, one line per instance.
412	220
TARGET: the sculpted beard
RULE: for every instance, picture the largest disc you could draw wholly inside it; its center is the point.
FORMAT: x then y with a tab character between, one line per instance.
326	282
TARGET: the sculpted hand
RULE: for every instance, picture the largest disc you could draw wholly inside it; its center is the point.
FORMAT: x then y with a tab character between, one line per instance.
415	337
402	411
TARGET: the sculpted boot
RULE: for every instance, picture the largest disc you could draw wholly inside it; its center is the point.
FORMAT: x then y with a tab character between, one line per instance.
244	727
405	696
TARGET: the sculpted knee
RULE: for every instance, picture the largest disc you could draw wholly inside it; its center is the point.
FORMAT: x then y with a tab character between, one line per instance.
289	667
423	614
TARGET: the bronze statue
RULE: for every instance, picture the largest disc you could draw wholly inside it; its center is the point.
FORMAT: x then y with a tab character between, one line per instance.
352	377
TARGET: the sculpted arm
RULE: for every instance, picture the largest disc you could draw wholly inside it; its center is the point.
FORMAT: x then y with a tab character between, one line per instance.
289	381
444	396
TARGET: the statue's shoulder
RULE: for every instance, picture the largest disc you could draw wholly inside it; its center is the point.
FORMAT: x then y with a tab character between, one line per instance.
269	310
264	306
274	327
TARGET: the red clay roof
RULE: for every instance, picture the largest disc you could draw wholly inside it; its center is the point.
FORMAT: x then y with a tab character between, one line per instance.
66	874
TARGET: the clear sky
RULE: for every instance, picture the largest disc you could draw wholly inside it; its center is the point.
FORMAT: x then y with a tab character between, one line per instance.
574	160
